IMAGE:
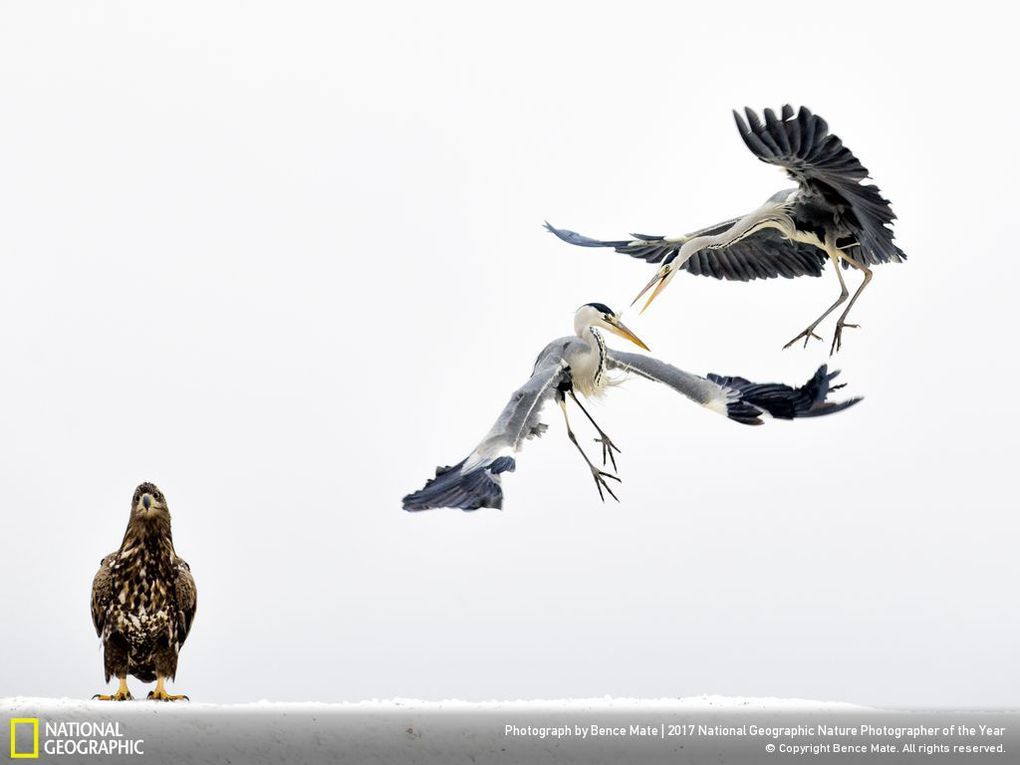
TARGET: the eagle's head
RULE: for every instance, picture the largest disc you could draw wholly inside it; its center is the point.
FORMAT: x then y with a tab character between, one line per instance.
149	504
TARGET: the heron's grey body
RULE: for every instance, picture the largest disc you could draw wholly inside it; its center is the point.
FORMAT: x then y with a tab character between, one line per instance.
832	215
584	364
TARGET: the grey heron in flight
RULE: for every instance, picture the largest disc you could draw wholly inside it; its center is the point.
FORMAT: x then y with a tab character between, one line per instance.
832	215
583	364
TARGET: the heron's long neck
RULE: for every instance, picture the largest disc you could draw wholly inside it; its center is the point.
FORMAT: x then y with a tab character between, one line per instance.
769	215
598	347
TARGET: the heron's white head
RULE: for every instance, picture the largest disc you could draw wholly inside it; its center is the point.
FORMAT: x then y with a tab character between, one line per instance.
602	316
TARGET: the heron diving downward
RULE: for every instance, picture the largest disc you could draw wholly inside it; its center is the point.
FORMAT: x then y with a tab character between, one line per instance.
832	215
584	364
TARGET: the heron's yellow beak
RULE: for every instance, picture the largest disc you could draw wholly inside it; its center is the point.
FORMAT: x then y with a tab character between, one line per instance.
617	328
659	281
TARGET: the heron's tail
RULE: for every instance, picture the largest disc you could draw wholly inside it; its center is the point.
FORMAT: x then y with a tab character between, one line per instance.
753	400
466	490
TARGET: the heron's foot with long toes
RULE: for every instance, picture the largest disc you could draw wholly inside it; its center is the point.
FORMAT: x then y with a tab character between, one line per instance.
837	337
600	477
608	447
807	334
162	695
122	694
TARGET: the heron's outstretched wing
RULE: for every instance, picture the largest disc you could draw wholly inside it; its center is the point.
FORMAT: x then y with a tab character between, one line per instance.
823	167
737	398
765	254
187	600
474	482
102	593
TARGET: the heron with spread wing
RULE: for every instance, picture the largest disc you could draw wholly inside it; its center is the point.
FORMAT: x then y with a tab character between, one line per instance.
584	364
832	216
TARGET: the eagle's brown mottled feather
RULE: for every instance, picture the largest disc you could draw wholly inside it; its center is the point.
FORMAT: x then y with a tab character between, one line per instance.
187	600
102	593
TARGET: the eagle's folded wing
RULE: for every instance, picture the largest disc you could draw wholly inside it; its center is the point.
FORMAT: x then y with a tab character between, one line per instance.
102	593
187	600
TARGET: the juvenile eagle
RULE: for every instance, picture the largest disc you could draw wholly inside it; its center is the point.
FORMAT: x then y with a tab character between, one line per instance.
143	600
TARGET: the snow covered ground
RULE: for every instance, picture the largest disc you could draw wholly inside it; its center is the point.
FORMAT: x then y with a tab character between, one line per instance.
71	706
406	730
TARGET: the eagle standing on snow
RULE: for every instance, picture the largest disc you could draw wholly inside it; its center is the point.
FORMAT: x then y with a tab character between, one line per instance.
143	600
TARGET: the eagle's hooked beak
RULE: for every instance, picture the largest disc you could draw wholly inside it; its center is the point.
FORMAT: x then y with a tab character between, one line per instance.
659	281
147	501
617	327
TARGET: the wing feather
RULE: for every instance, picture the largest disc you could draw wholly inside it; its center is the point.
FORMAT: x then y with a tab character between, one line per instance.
739	399
765	254
823	167
102	593
695	387
475	481
187	600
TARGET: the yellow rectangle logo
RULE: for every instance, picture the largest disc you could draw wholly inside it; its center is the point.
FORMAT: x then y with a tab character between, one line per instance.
34	754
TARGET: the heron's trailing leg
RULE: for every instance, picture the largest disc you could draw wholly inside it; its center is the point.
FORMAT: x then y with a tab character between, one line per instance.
844	293
608	447
122	694
837	337
160	694
600	476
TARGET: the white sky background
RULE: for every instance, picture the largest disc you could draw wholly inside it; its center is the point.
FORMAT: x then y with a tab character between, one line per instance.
284	259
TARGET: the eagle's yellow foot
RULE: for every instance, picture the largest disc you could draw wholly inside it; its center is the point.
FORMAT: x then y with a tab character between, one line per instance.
160	694
118	696
122	694
164	696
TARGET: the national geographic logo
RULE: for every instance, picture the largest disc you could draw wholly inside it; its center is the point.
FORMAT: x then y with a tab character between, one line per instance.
31	726
63	739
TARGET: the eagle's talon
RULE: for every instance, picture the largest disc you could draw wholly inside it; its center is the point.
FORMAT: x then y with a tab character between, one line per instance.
162	695
118	696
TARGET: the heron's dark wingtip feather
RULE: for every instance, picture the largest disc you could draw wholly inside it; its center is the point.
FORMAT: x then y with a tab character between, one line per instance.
782	401
580	240
635	249
742	412
452	488
822	165
831	407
